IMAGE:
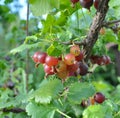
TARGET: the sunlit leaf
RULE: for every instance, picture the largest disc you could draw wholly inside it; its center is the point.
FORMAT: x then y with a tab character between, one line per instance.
94	111
80	91
48	90
40	7
24	47
40	111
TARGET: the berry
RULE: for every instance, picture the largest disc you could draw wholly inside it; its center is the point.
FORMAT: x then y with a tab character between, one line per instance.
99	97
83	68
49	70
96	3
35	57
74	1
75	50
51	61
80	56
63	74
100	60
102	31
71	74
61	66
72	68
94	58
41	57
69	59
86	3
106	59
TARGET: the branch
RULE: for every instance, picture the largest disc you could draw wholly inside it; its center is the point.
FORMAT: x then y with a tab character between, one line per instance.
110	22
95	27
114	27
13	110
75	42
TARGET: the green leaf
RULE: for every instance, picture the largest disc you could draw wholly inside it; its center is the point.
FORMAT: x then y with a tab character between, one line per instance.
6	102
62	19
48	90
80	91
3	65
111	106
40	7
48	24
55	49
8	1
77	110
114	3
24	47
102	86
106	110
110	36
94	111
40	111
30	38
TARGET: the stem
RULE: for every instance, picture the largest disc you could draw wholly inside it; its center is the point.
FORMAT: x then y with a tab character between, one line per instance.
13	110
62	113
80	43
111	22
27	55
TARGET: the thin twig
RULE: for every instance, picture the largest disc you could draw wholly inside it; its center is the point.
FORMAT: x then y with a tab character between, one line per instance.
80	43
111	22
13	110
62	113
27	56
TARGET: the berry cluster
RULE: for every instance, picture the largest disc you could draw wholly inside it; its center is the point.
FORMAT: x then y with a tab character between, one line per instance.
69	65
87	3
100	60
98	98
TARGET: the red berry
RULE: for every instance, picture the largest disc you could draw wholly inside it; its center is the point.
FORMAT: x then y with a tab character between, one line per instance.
71	74
74	1
106	59
99	97
95	59
69	59
96	3
99	61
75	50
86	3
72	68
51	61
41	57
49	70
80	56
35	57
83	68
